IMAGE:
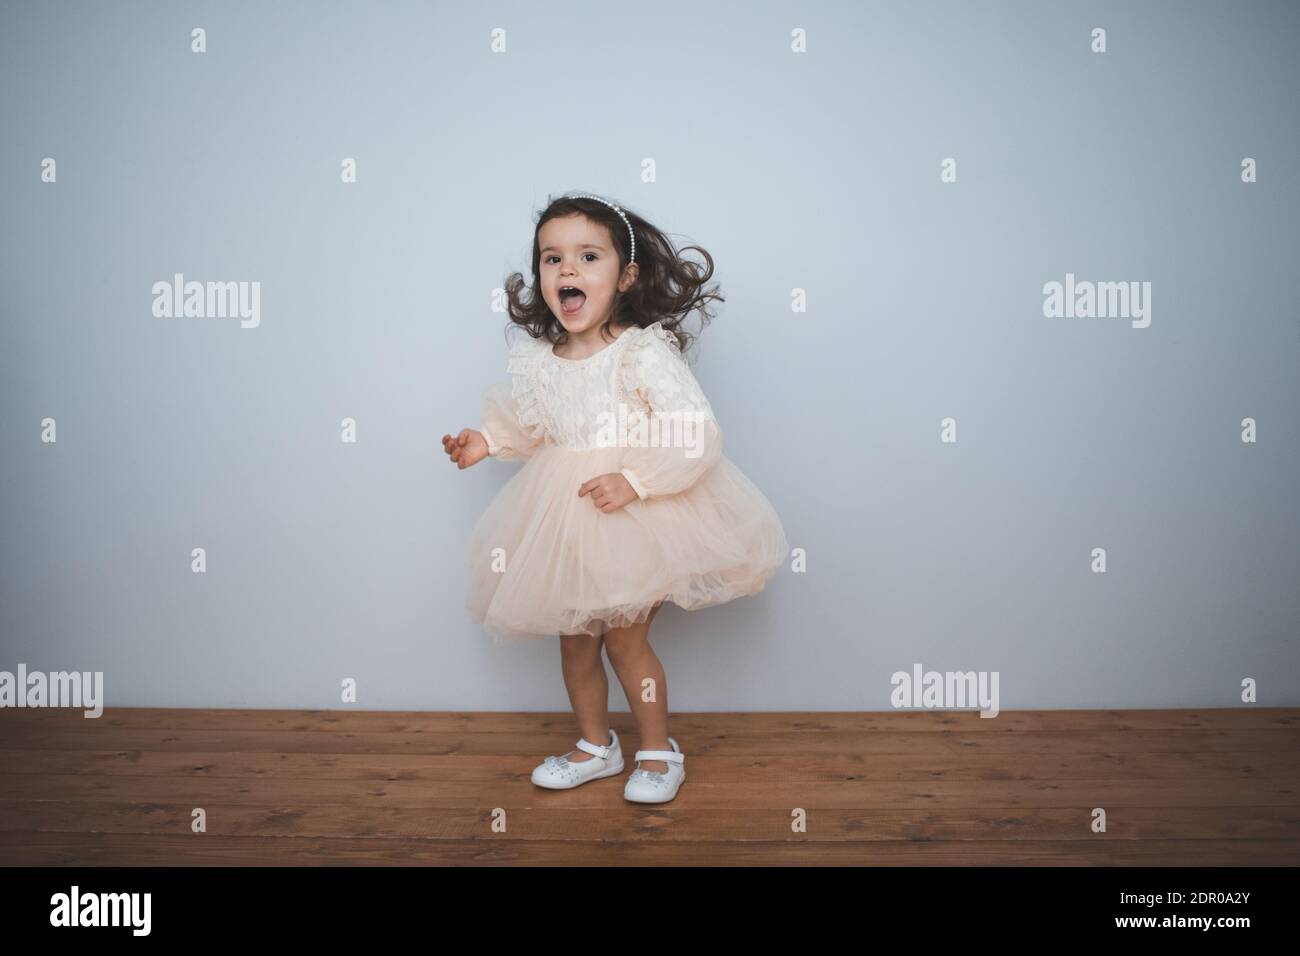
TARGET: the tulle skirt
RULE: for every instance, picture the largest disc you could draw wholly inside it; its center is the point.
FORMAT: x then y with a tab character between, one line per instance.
542	561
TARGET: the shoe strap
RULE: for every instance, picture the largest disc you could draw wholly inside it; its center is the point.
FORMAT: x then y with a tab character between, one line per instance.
595	749
672	756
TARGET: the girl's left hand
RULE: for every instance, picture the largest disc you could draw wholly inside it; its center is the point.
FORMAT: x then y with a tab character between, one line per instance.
609	492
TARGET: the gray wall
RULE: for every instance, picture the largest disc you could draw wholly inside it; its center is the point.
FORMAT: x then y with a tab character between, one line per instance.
817	171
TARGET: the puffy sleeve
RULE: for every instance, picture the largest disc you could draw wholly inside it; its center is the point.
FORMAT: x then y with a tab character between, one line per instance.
681	439
509	413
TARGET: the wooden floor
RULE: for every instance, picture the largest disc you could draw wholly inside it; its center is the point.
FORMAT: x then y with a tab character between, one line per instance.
1178	787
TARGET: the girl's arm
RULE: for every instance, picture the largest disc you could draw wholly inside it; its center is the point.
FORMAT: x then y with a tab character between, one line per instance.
657	381
506	438
509	415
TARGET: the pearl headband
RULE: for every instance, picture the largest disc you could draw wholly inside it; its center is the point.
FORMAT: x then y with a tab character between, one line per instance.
631	234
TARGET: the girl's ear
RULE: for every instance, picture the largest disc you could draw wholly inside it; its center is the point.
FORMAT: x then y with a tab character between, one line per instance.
629	276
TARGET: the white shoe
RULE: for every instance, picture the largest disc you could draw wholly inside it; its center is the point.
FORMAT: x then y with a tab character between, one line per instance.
647	786
560	773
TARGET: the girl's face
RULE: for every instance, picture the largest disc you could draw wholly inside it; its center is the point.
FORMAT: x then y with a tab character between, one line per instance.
578	253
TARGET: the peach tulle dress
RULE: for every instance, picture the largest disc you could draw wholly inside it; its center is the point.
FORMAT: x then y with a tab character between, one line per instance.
542	561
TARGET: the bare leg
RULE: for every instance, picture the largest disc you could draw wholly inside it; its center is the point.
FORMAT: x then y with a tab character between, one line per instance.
634	660
588	687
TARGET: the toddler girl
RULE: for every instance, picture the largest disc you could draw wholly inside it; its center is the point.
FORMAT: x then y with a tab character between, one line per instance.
625	499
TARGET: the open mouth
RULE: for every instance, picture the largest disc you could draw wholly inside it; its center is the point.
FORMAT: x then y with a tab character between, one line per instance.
572	299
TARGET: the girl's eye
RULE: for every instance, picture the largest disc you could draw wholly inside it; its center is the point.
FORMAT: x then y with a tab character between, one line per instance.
549	258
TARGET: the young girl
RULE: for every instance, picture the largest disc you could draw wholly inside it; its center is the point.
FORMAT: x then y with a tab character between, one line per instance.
625	499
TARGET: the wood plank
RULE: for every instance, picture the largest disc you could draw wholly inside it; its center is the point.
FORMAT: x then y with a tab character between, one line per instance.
824	825
874	722
719	765
782	791
538	743
110	849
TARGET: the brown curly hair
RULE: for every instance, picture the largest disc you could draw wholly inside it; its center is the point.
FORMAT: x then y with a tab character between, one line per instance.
668	287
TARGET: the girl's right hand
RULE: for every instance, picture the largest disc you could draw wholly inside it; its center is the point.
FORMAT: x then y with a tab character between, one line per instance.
467	448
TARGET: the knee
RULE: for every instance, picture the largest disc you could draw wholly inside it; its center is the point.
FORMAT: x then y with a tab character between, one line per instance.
624	644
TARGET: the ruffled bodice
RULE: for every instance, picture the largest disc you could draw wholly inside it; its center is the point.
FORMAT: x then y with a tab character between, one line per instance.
636	394
569	401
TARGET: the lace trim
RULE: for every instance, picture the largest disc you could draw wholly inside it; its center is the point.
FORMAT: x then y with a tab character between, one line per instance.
629	375
523	359
657	330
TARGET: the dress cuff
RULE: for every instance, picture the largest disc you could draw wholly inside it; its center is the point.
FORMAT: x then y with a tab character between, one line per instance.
633	481
493	447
